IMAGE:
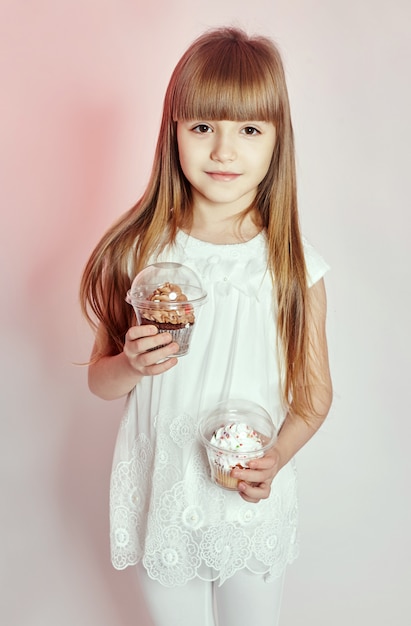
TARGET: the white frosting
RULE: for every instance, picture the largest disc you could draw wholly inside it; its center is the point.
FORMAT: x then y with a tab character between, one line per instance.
235	442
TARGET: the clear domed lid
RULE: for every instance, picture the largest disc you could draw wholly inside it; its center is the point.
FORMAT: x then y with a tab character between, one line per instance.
155	277
238	411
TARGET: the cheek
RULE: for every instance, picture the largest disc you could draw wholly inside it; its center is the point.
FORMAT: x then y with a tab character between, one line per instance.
180	146
183	151
190	157
268	158
264	165
186	163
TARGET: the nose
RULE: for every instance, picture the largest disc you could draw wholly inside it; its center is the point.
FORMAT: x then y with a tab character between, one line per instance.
223	150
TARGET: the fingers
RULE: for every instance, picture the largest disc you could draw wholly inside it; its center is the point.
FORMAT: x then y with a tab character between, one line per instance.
149	351
137	335
255	482
254	492
163	366
140	339
255	487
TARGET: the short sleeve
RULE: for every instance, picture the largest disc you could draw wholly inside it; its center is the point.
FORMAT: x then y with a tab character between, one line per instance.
315	264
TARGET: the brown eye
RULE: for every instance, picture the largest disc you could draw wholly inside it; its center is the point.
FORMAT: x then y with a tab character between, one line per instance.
250	130
202	128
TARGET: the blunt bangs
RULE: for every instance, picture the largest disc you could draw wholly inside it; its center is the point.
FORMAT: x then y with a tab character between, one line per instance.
228	80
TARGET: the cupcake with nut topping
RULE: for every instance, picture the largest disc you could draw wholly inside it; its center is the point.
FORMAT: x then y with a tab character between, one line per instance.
168	296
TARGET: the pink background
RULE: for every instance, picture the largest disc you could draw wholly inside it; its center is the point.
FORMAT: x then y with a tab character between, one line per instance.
82	88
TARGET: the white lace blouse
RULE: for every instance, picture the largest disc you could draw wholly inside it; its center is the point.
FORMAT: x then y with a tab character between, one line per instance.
164	509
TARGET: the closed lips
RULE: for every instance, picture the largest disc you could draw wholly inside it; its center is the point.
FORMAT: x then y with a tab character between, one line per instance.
223	175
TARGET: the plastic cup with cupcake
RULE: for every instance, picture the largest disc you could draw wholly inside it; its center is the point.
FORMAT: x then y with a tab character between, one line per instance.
168	296
234	433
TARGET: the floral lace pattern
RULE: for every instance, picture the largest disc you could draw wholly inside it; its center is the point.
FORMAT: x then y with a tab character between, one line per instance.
182	430
193	527
165	510
127	503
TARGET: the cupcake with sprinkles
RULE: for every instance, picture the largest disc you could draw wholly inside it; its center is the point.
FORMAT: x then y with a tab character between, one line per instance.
236	432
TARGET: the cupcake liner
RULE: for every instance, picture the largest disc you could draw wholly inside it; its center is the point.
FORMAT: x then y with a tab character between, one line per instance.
223	479
181	336
221	469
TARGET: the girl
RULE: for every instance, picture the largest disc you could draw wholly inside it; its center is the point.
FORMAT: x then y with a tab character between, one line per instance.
222	200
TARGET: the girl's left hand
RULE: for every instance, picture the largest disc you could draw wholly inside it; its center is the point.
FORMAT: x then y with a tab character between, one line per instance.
255	482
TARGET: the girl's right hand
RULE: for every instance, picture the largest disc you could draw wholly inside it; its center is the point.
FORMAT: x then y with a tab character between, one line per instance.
140	340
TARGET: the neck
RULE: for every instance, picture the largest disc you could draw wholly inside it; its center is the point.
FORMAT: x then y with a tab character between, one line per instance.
223	230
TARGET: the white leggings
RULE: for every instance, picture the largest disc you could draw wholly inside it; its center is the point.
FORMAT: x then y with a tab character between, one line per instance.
241	600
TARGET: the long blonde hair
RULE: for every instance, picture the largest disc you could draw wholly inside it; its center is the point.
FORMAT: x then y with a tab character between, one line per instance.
224	75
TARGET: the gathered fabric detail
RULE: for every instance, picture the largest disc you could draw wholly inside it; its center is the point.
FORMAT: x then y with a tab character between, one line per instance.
232	266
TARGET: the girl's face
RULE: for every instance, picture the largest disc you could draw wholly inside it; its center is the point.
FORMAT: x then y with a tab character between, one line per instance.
225	161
